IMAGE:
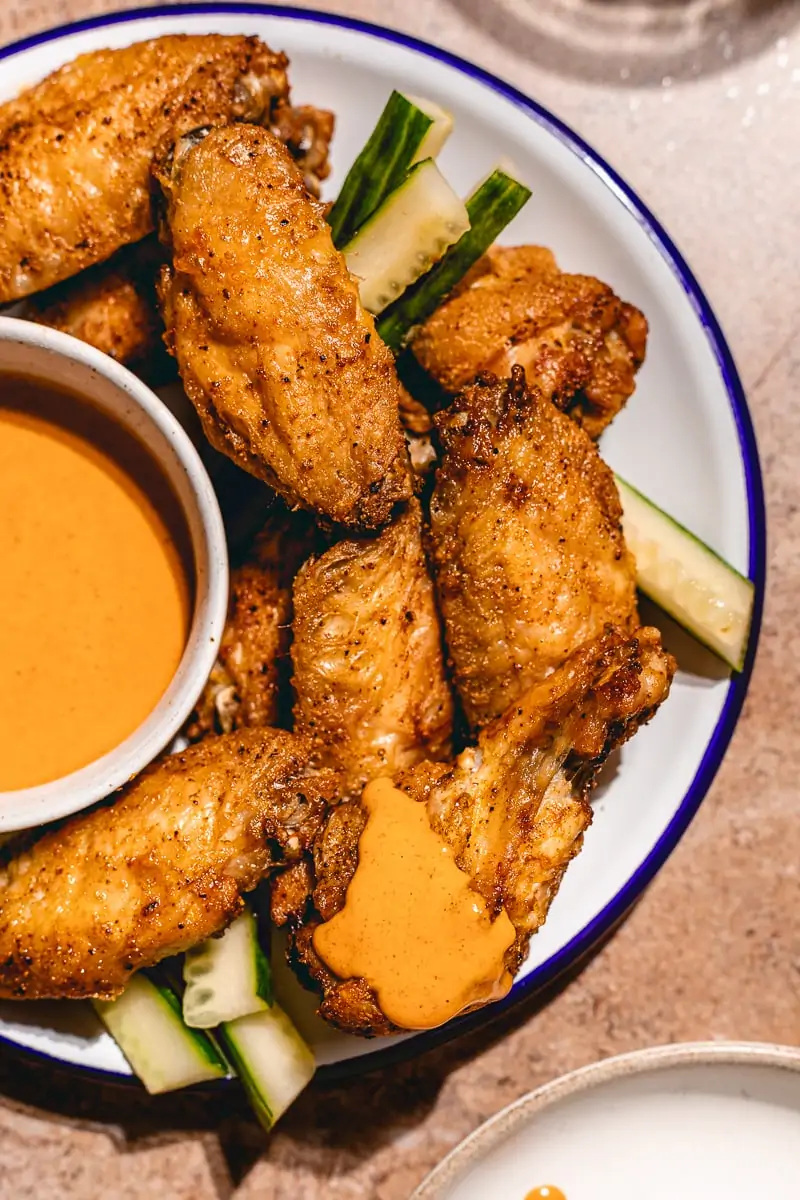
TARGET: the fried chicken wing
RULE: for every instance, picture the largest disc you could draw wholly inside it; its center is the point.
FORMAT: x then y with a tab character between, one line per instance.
577	340
307	133
274	349
513	809
249	684
527	545
76	150
369	679
113	306
160	868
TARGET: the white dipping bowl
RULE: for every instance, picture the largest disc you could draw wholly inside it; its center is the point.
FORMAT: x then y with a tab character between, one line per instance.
58	359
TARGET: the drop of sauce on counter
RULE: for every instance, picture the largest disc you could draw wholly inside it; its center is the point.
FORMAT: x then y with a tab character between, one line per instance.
546	1192
411	924
96	592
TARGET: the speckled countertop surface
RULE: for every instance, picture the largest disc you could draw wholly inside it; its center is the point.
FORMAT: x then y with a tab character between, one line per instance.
705	127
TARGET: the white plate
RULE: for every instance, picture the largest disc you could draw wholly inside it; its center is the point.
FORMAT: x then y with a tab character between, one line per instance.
685	438
696	1122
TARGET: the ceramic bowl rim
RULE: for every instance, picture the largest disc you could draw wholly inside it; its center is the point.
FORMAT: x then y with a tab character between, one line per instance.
503	1124
71	794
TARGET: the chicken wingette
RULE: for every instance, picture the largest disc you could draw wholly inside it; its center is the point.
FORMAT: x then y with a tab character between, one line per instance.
76	150
579	343
274	348
369	678
250	682
513	809
159	868
526	537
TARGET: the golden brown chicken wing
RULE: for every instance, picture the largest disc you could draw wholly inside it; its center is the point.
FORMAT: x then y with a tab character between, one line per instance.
113	306
528	552
513	809
274	349
249	684
160	868
76	150
369	677
577	340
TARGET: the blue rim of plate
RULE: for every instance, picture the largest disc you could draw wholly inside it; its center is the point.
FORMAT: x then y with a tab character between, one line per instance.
604	922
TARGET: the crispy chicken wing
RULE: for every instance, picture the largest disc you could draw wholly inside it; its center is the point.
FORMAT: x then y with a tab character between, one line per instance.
113	306
160	868
577	340
369	677
513	809
76	150
249	684
527	545
274	349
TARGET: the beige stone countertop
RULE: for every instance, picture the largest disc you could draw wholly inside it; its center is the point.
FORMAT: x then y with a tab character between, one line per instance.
703	121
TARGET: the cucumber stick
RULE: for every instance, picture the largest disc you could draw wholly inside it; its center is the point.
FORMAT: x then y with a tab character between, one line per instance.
226	977
407	234
271	1059
438	132
407	130
146	1024
687	579
490	207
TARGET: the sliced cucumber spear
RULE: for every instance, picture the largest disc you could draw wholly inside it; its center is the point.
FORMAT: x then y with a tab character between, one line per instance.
407	131
271	1059
491	206
147	1025
683	575
226	977
408	233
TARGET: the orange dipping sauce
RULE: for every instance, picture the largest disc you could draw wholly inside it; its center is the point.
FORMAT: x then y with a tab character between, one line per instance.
411	924
96	591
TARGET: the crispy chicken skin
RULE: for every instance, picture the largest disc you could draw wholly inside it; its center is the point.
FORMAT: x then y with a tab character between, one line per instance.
113	307
274	349
526	539
160	868
513	809
250	683
577	340
369	678
76	150
307	133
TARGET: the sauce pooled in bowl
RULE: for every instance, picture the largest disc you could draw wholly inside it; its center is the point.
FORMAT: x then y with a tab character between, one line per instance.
95	583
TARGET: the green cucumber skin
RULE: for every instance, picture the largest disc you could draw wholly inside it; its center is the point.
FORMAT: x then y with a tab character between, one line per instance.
663	601
422	201
205	1044
134	1029
380	167
255	1096
686	532
490	208
264	988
